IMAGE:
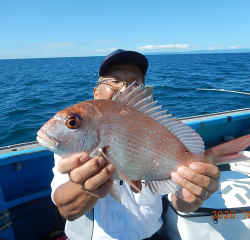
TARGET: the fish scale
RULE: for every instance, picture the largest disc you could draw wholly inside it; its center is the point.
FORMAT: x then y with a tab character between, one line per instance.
145	144
142	146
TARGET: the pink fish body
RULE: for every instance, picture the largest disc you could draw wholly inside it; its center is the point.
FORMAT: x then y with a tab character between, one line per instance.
141	141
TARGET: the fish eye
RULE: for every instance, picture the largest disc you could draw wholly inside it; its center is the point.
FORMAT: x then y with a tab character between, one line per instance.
72	122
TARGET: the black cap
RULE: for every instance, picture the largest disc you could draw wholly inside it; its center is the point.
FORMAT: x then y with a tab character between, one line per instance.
128	56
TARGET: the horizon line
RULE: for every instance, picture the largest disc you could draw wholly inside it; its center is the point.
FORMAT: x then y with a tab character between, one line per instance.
214	51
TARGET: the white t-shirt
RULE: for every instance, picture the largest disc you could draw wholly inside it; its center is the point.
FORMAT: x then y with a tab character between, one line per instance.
133	219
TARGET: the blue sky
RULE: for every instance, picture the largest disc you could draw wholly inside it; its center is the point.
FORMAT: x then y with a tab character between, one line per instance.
72	28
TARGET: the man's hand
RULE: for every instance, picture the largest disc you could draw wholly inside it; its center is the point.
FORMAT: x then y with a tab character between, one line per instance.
93	175
90	179
199	182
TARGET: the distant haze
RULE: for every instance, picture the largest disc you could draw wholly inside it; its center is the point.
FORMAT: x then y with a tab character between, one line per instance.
242	50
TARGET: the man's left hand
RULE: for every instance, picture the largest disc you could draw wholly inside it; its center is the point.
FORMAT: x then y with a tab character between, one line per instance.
199	182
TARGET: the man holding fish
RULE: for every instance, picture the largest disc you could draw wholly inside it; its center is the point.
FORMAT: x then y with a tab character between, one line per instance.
83	180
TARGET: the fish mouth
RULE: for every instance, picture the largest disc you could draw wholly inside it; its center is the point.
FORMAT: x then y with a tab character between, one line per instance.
46	140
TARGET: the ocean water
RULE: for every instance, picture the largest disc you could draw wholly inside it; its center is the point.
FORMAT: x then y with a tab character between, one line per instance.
33	90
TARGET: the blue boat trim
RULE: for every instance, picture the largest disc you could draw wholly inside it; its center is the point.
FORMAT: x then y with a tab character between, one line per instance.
17	153
28	198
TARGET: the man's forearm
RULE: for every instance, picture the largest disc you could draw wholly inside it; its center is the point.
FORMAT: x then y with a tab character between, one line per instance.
72	201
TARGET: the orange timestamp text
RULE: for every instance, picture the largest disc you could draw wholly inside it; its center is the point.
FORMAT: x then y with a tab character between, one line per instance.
228	214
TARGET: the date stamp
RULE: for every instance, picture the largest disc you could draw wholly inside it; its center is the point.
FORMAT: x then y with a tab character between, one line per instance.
228	214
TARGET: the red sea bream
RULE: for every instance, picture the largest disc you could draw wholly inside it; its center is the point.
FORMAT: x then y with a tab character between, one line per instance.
136	136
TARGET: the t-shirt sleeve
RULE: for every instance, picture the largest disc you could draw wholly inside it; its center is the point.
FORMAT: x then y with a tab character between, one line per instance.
58	179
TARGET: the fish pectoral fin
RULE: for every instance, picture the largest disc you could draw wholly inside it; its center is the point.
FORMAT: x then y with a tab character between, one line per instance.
115	193
96	152
163	187
138	184
124	177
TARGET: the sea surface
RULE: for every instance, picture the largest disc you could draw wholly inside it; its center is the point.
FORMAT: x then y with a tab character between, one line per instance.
33	90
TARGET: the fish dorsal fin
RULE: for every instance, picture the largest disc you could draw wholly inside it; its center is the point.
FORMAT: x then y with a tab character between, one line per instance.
157	115
136	99
121	96
147	106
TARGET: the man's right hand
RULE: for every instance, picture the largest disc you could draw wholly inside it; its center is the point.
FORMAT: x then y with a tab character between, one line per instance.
91	179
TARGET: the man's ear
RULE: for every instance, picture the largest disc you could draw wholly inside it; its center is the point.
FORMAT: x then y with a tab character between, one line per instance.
96	93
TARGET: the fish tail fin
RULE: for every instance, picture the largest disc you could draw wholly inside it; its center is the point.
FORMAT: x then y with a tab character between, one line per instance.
228	152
